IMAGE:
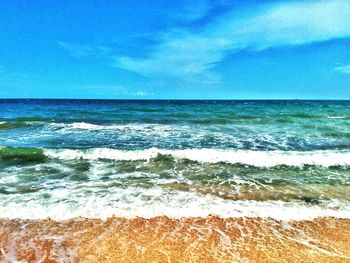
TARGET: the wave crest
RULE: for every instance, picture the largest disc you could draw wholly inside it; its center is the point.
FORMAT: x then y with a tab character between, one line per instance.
246	157
22	153
266	159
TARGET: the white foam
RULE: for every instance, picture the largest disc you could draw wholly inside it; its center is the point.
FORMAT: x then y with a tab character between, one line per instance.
133	202
90	126
149	130
248	157
84	126
335	117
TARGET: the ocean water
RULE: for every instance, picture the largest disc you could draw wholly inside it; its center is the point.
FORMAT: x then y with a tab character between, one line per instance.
68	158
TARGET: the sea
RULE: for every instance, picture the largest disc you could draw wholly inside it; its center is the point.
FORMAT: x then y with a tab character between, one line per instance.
279	159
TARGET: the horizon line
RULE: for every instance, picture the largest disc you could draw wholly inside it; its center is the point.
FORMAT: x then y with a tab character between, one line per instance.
180	99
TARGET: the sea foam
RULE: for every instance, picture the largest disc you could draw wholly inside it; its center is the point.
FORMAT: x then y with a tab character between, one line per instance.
133	202
324	158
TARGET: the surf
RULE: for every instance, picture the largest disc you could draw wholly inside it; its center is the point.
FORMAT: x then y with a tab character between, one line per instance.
325	158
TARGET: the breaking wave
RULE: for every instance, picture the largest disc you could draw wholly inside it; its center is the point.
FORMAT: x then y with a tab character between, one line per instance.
253	158
325	158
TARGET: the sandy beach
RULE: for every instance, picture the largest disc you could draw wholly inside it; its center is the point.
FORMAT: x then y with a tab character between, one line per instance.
162	239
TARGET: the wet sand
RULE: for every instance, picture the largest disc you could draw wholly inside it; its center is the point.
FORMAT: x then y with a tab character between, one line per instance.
161	239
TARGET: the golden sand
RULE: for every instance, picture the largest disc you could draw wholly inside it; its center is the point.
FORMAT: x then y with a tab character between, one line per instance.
162	239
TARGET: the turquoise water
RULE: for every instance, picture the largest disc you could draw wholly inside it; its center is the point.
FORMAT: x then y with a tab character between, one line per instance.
66	158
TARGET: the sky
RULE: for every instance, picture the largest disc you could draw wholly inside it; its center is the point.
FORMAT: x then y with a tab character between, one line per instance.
175	49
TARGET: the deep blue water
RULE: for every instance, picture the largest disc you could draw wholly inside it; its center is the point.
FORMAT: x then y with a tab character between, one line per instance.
255	125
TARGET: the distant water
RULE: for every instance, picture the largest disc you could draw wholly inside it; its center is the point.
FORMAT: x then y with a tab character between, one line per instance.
280	159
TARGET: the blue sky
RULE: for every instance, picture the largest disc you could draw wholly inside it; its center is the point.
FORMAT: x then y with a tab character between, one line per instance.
204	49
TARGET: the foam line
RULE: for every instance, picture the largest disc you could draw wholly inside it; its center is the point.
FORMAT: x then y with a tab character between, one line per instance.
248	157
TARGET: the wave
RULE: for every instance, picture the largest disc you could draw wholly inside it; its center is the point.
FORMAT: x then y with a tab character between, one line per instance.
132	202
22	153
247	157
324	158
12	125
336	117
90	126
85	126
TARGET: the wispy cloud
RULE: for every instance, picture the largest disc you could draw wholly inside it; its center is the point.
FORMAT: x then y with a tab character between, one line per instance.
190	56
343	69
180	55
78	50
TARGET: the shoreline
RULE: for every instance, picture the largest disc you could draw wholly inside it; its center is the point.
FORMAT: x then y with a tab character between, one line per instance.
193	239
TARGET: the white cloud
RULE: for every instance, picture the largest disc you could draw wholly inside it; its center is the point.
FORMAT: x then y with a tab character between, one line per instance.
343	69
292	23
77	50
191	56
180	55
